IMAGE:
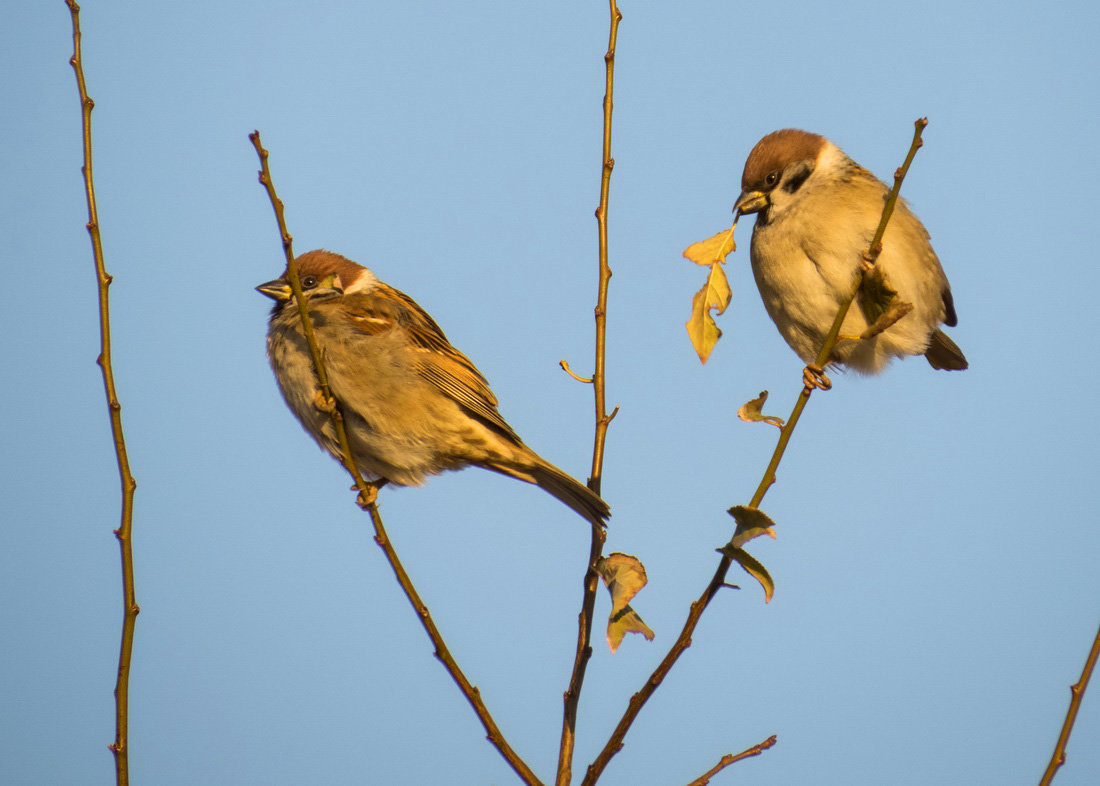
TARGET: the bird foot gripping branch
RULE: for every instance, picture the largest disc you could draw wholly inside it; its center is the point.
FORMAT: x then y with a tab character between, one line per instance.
813	378
369	495
323	402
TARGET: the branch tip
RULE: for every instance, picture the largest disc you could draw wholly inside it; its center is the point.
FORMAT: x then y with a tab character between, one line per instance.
564	364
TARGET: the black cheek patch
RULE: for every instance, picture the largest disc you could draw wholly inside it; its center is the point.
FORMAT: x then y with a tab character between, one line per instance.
797	178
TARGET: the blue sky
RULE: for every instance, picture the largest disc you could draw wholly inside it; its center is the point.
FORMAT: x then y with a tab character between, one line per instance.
937	587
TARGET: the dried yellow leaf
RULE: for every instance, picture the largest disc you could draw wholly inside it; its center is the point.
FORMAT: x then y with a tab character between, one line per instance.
714	296
624	576
713	249
752	411
753	567
751	523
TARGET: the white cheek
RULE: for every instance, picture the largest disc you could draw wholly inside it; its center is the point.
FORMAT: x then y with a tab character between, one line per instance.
364	282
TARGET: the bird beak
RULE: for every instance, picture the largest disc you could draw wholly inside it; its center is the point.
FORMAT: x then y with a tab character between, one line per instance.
278	290
750	202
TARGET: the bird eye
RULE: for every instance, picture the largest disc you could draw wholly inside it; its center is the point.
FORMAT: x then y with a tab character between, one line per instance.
309	282
771	179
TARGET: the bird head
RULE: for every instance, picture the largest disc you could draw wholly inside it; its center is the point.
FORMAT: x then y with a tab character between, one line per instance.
323	275
778	166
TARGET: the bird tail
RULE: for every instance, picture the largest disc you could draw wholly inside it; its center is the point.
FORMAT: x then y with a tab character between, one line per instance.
561	485
944	354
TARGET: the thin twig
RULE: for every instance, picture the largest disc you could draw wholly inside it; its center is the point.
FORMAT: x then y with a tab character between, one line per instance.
565	367
368	492
1076	693
591	577
683	641
120	747
730	758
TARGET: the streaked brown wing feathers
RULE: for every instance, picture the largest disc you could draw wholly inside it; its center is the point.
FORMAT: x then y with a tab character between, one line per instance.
439	363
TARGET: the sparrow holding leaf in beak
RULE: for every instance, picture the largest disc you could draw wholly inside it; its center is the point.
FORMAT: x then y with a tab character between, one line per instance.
816	213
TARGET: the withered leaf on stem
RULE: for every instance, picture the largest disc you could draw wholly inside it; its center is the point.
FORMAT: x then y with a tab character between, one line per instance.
752	566
751	523
624	576
713	249
715	294
752	411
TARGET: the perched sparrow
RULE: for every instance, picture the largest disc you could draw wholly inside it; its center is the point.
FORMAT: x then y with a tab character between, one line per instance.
414	405
817	211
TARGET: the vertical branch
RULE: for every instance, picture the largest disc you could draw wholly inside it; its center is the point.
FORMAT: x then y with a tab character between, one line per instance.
1077	692
130	608
599	376
368	492
603	419
683	641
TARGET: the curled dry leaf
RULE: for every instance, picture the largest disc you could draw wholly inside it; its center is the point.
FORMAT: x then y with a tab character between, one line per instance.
713	249
751	523
624	576
715	294
752	566
751	411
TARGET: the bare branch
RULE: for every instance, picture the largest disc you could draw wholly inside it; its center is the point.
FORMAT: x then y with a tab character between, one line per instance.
368	492
130	608
591	578
1077	692
730	758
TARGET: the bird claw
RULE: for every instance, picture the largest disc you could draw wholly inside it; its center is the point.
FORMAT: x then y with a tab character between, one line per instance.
323	402
368	496
813	378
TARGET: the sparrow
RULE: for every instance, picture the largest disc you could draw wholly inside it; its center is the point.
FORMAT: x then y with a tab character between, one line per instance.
816	213
413	405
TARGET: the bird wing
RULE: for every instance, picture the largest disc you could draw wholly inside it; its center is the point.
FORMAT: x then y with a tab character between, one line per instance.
437	361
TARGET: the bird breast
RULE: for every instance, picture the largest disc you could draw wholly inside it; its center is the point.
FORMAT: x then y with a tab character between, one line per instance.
806	258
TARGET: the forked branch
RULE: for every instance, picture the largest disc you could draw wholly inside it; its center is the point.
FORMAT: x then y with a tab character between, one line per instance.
603	420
